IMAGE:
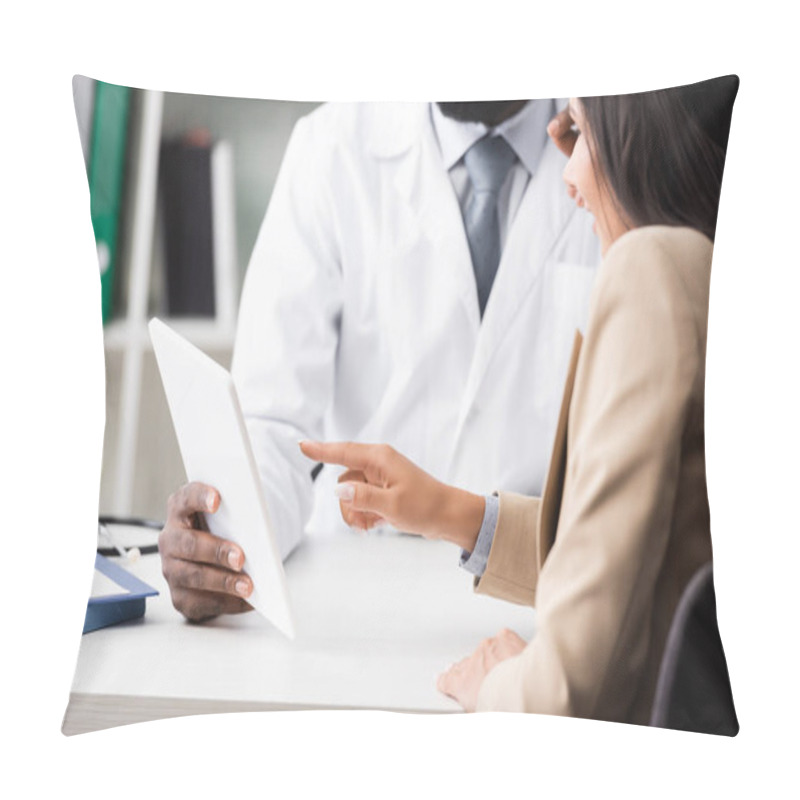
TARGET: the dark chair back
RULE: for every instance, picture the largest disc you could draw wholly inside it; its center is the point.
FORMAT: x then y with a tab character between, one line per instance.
694	691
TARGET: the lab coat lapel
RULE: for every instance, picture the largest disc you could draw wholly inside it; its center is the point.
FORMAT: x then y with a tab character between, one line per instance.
537	227
435	218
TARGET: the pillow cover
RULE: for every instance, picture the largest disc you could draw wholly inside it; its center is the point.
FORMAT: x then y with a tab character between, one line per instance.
413	274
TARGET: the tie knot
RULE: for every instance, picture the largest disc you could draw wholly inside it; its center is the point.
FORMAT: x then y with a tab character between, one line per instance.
488	162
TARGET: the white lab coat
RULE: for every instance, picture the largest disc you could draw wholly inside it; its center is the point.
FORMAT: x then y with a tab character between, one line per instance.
359	315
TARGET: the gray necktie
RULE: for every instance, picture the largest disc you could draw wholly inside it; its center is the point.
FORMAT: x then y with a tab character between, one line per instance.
488	162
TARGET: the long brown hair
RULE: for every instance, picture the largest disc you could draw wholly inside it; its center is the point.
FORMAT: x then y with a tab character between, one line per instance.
662	153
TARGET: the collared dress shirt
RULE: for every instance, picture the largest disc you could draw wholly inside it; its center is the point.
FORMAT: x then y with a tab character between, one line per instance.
526	133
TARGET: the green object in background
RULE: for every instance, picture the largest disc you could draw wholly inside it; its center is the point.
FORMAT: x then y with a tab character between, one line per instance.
106	173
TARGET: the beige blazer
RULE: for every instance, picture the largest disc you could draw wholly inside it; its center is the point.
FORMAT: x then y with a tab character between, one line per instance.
623	522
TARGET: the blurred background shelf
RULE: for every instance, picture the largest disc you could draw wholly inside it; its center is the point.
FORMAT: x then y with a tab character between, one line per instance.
141	461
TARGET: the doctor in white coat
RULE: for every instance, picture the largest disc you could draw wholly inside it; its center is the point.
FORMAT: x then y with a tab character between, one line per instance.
360	320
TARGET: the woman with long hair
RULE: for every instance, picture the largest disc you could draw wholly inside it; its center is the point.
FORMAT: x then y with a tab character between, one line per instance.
623	523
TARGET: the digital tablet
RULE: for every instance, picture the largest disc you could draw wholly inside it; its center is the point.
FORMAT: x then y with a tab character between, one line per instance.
216	451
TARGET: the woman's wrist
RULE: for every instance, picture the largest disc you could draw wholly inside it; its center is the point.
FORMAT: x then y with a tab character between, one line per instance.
460	517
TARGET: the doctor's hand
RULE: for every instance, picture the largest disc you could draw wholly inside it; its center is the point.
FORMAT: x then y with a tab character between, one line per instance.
204	572
562	133
463	680
381	484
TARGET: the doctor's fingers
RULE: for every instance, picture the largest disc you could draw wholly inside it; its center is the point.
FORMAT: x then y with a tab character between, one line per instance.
190	499
189	575
197	606
189	544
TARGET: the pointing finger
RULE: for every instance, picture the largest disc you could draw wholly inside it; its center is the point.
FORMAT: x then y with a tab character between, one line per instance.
348	454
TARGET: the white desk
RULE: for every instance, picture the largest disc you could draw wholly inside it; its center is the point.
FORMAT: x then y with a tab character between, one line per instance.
378	617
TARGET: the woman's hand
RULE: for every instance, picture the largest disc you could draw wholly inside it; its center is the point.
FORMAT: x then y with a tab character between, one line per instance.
380	484
562	133
463	680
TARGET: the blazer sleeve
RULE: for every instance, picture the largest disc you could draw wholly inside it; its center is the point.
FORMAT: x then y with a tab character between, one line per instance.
525	526
637	373
512	568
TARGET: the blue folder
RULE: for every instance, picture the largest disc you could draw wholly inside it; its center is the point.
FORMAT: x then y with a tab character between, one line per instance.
113	608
